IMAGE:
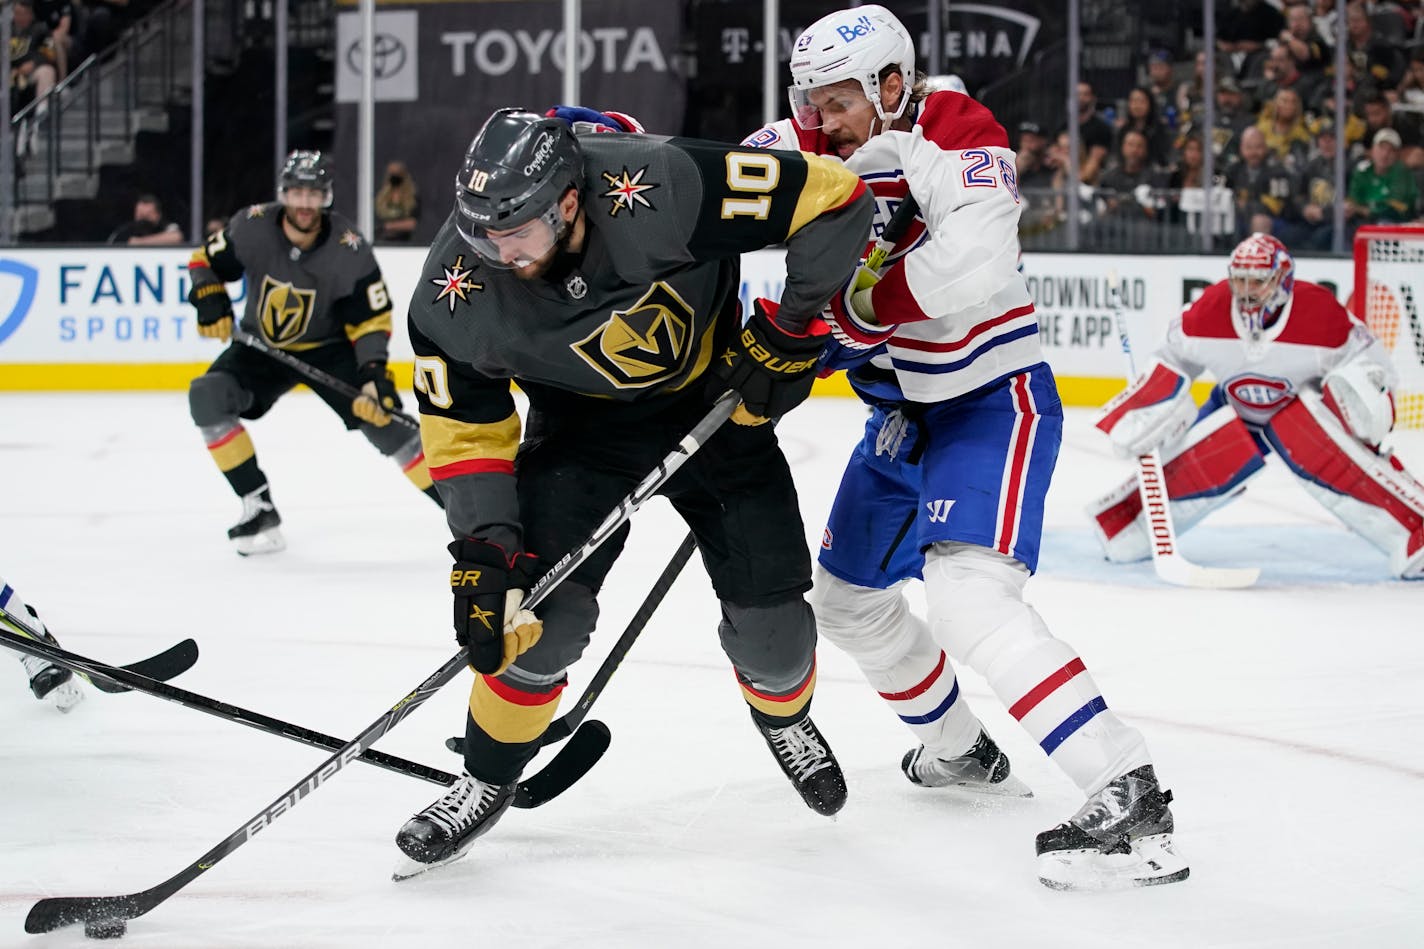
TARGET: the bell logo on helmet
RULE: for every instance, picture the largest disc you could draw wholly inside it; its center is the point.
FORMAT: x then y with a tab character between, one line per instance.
850	32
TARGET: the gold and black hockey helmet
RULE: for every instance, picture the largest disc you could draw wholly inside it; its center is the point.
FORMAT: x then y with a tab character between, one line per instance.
518	166
304	169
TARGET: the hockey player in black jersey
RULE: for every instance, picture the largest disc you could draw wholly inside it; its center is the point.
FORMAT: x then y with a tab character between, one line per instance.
600	273
314	289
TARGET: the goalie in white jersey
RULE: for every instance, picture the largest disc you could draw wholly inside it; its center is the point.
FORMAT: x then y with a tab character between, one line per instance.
948	482
1296	375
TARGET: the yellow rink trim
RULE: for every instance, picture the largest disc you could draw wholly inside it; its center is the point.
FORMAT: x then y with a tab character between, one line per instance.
102	377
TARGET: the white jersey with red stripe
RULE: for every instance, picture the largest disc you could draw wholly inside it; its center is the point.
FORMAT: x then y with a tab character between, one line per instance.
961	309
1313	336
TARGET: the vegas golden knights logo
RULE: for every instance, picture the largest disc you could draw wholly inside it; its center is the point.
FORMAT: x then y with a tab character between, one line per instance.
284	311
643	345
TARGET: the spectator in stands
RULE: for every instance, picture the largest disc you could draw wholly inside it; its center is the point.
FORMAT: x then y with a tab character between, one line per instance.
1283	123
1281	72
32	70
58	16
1378	64
1408	118
1187	173
1035	180
1378	114
1382	191
1232	117
1313	227
149	228
1323	19
1304	43
1140	115
1244	28
1161	85
1190	99
397	206
1094	133
1261	186
1129	179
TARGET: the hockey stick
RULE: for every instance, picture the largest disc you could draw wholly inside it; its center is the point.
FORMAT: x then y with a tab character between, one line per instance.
105	912
571	721
1167	560
319	376
173	661
145	676
895	229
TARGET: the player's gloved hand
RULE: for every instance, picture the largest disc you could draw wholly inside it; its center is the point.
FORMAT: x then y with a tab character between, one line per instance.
378	396
488	587
851	314
214	308
771	368
589	120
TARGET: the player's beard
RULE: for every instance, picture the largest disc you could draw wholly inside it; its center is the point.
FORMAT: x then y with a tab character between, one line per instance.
557	261
291	215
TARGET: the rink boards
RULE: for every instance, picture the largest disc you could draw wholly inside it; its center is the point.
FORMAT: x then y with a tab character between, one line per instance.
101	318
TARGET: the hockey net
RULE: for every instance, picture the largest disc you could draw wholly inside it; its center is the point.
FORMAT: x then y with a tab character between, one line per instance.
1389	297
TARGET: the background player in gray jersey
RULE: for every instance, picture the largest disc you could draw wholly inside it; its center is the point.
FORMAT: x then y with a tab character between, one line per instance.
600	273
315	290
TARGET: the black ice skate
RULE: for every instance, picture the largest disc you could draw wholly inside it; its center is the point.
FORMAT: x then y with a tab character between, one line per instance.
809	762
983	768
1121	837
257	532
445	830
51	682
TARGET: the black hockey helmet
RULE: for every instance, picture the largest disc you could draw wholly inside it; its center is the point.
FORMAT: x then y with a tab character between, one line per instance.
515	171
305	169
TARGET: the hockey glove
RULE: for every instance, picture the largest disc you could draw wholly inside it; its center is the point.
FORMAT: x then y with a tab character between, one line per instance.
378	396
488	588
587	120
214	310
772	369
851	315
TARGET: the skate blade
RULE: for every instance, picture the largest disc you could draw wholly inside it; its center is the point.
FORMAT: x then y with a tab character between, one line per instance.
1009	787
408	868
266	542
65	696
1152	861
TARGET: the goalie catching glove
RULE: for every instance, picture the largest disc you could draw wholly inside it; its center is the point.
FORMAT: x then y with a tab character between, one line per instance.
378	396
214	308
770	368
488	588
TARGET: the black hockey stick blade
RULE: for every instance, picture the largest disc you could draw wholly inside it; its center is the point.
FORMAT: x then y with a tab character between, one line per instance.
580	753
170	663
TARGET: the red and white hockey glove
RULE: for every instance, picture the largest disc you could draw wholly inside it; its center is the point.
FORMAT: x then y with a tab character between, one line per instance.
1154	410
589	120
851	314
1358	394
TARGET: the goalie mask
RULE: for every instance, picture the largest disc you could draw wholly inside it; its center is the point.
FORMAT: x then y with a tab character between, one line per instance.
859	44
516	172
1262	279
309	170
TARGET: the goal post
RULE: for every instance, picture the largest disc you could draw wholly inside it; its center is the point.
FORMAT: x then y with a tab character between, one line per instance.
1389	297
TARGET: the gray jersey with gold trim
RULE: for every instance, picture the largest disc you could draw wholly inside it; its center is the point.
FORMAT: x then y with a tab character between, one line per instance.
300	300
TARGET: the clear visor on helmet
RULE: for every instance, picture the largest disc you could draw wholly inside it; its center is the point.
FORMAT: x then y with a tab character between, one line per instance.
517	246
1254	289
811	105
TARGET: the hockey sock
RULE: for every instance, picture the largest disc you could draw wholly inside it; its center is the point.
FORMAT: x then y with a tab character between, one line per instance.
231	448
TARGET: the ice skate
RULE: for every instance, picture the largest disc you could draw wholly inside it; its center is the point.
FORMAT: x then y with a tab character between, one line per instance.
52	683
445	830
809	762
1122	837
983	768
257	532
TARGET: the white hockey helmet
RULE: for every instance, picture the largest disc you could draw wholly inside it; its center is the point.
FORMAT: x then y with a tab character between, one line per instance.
1262	279
856	43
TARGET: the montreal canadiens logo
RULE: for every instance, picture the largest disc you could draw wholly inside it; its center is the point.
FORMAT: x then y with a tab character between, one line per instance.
1260	392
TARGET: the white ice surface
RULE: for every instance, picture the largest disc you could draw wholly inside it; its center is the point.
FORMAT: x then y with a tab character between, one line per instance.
1287	718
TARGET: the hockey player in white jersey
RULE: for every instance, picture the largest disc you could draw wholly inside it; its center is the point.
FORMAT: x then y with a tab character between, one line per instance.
948	483
48	681
1296	375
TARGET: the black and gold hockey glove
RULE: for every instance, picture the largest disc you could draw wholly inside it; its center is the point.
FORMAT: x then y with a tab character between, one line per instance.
488	588
378	396
214	308
772	369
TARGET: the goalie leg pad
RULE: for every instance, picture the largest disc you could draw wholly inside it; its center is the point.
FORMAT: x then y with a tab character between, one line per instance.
978	615
899	658
1204	471
1371	493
